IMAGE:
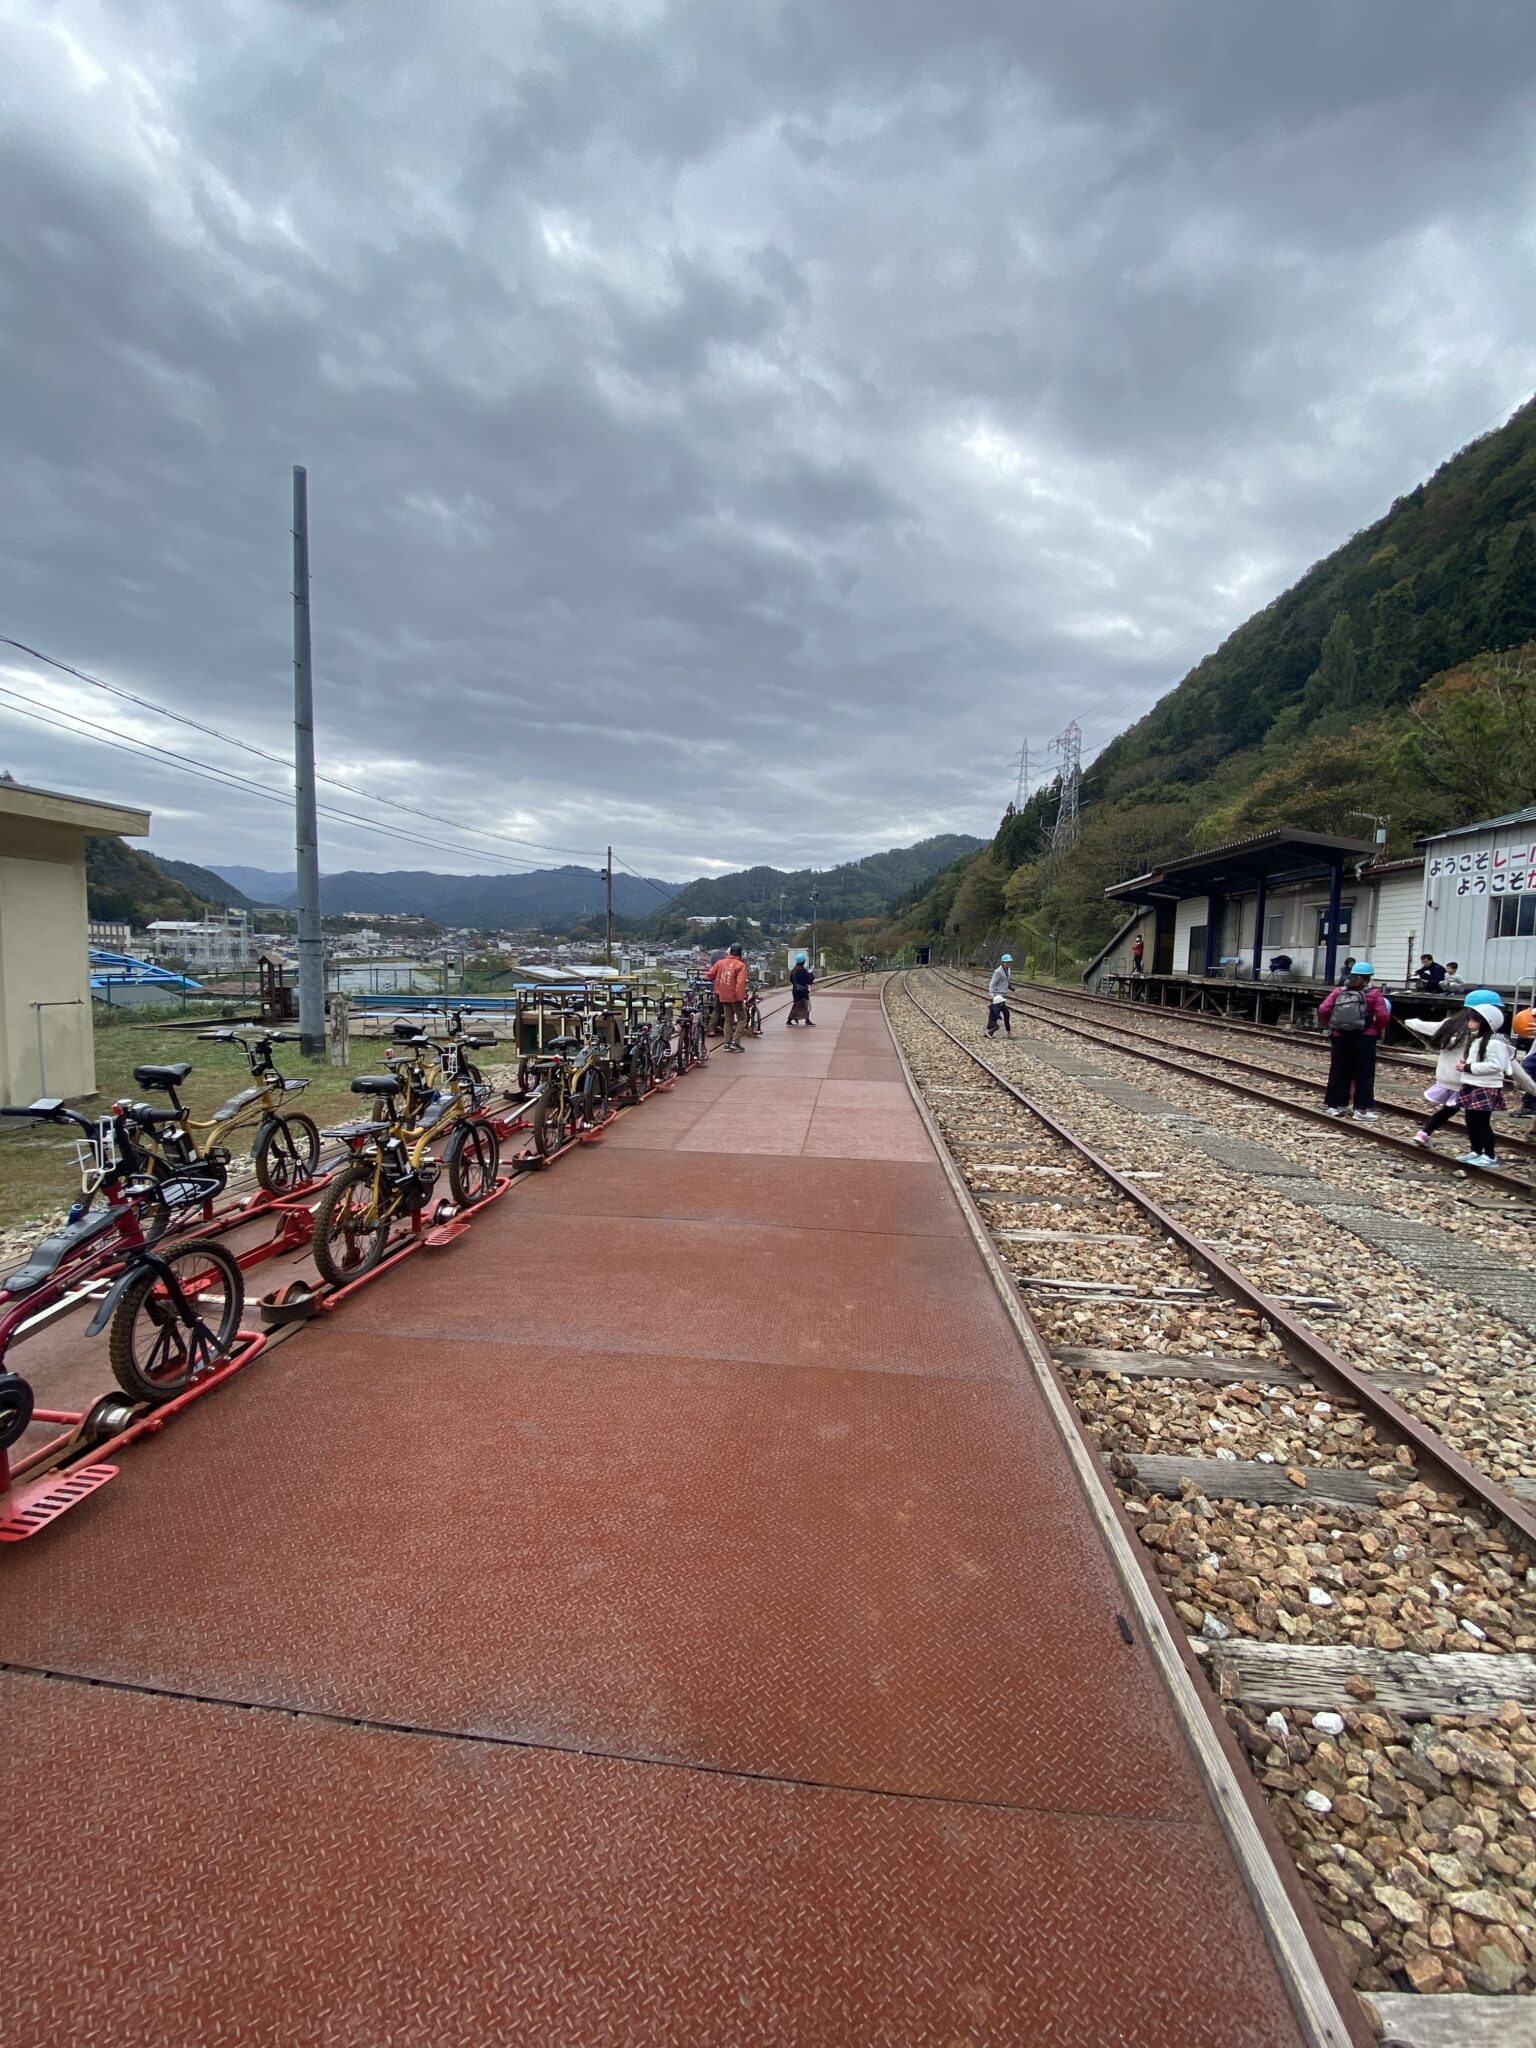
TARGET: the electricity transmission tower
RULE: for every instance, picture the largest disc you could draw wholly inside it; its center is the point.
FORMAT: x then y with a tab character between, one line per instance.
1070	746
1021	792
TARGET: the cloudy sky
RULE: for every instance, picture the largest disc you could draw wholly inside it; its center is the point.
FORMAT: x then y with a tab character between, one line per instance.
732	426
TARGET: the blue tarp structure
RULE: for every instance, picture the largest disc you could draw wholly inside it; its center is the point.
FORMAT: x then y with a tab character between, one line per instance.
114	972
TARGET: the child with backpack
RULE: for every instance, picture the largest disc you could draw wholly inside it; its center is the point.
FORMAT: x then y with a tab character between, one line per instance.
1357	1016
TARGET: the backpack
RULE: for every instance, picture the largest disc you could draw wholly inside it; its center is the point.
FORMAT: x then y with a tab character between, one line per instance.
1350	1010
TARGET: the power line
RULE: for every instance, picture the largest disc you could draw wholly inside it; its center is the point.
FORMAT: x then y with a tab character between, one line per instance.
264	754
665	895
227	778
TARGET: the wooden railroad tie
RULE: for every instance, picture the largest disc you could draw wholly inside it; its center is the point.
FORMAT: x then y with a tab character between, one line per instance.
1416	1685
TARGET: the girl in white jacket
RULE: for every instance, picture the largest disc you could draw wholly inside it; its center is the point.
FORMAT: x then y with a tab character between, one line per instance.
1473	1061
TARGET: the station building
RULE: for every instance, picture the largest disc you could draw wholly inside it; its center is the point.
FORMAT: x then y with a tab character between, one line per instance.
1285	909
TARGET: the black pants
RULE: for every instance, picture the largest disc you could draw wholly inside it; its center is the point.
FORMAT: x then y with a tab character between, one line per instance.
1479	1126
1351	1069
996	1012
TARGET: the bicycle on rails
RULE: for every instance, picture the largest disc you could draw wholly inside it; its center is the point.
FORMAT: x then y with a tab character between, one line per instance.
646	1056
391	1175
572	1078
753	1025
172	1148
173	1312
692	1028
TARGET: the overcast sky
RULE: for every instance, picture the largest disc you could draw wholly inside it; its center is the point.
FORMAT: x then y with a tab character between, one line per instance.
732	426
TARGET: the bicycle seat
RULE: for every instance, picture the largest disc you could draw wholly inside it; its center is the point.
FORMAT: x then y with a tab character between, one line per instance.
562	1045
163	1077
44	1259
376	1084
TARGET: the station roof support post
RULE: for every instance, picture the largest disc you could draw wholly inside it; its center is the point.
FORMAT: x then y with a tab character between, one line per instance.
1258	925
1335	899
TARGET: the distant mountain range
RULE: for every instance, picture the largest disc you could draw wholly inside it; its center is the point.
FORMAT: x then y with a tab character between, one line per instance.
858	888
543	896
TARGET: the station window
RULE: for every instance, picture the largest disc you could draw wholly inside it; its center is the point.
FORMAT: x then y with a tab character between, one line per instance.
1274	927
1512	917
1346	924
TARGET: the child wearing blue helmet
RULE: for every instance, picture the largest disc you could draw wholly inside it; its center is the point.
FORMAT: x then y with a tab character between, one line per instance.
997	997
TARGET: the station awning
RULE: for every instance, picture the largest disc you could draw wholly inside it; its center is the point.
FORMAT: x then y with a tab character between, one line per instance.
1268	858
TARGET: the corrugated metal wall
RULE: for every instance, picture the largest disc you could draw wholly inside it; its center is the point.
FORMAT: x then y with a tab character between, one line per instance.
1463	877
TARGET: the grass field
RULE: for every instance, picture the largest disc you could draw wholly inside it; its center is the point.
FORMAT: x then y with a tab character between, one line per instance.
38	1178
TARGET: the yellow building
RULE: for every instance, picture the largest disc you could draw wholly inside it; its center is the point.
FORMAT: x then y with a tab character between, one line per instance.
46	1041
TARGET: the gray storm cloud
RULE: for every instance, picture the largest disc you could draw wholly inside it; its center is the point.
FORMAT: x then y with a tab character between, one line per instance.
730	430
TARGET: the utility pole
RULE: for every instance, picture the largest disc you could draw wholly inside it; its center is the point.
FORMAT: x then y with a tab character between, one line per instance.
306	830
813	928
608	882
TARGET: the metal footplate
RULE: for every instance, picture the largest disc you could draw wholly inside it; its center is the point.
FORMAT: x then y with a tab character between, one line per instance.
34	1507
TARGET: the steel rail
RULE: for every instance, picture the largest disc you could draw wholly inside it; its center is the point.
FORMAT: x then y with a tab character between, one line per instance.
1036	1002
1441	1162
1221	1020
1322	2001
1300	1342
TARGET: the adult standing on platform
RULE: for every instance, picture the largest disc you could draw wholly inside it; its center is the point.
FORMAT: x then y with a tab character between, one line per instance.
1357	1016
800	979
1137	950
997	997
729	975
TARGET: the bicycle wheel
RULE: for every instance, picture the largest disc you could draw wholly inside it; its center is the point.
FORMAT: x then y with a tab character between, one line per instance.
638	1079
149	1205
350	1230
286	1154
156	1345
472	1159
592	1099
554	1117
664	1065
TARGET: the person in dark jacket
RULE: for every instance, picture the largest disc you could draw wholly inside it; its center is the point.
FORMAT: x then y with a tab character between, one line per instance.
1357	1016
800	979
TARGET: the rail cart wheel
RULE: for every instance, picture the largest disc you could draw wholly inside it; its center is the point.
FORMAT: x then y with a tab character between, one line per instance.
287	1154
105	1418
154	1350
592	1099
15	1408
473	1157
349	1234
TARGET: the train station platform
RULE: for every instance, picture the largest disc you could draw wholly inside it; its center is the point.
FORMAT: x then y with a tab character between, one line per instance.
665	1616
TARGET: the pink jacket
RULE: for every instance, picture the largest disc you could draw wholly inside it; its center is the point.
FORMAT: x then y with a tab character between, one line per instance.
1378	1011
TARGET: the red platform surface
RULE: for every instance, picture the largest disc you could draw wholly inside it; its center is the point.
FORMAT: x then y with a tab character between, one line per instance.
665	1616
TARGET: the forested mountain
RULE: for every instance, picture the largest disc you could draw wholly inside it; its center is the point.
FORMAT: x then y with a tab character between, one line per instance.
203	882
545	897
858	888
124	886
1394	679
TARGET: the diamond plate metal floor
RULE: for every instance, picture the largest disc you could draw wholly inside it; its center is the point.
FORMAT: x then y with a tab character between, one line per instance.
663	1616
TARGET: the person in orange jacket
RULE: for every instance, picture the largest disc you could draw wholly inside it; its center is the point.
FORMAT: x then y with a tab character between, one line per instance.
729	976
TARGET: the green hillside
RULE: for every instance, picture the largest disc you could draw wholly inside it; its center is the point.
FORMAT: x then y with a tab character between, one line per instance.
124	886
203	882
859	888
1393	679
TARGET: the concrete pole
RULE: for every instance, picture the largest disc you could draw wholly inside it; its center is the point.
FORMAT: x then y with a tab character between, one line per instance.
608	880
813	929
305	825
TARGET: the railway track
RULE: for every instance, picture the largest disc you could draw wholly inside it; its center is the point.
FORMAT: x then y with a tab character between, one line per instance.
1404	1070
1362	1596
1518	1180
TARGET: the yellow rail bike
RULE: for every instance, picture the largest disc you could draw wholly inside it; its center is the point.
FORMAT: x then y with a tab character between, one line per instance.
189	1156
391	1176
